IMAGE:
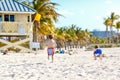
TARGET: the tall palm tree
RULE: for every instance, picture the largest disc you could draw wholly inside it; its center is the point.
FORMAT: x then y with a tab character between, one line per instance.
60	36
118	27
78	30
71	34
113	17
107	22
84	37
48	14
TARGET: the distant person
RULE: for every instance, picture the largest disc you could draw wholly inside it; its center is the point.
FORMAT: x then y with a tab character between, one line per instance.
97	52
5	52
51	44
62	51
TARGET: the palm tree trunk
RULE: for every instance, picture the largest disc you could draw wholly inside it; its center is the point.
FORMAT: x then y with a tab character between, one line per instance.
118	36
107	34
112	34
36	24
113	37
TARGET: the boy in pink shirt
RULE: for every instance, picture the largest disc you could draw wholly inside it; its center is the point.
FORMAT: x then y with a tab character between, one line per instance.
51	44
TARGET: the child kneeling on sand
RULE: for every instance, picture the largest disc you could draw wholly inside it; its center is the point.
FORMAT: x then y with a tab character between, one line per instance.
97	52
51	44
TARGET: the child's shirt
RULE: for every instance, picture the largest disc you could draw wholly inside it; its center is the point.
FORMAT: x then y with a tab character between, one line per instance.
98	51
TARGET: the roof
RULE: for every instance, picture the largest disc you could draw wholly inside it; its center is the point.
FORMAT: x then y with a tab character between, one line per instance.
14	6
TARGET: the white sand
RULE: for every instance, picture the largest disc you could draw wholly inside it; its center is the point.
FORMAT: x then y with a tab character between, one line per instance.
79	66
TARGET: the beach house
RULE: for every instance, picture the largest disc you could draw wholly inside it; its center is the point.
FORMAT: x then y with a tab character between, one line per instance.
15	24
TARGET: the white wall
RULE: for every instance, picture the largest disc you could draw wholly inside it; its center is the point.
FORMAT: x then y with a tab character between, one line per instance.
21	18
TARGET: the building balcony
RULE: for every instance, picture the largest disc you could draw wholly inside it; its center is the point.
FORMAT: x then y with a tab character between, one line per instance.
15	28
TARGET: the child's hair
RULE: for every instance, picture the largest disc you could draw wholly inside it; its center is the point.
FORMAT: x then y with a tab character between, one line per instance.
96	46
50	36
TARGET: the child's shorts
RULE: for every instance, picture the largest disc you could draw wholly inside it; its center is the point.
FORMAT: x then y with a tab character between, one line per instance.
50	51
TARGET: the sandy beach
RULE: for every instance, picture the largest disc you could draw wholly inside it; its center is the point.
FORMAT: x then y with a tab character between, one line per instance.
80	66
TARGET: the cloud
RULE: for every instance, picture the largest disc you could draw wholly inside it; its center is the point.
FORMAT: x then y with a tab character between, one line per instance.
82	12
109	2
66	13
98	18
115	10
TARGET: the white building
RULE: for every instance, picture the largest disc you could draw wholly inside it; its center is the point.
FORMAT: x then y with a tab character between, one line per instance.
15	22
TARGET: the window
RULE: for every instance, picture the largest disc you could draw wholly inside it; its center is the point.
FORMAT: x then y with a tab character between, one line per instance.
28	18
6	17
12	18
0	18
9	18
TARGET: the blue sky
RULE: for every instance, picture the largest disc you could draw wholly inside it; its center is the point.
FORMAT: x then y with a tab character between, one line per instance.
87	14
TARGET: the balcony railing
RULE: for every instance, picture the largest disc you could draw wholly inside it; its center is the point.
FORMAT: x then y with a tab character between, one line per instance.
15	27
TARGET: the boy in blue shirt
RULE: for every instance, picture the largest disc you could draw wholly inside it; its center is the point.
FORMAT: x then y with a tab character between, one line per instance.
97	52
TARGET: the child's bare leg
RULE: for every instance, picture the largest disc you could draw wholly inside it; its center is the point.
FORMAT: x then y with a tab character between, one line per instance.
100	56
94	57
52	58
48	57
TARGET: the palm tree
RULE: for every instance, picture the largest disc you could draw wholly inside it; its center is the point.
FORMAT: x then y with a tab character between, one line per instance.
78	31
71	35
107	22
60	36
87	36
118	27
84	37
48	15
113	17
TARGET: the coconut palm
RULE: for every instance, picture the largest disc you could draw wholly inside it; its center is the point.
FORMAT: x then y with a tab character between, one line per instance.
48	15
107	22
118	27
78	31
113	17
60	36
84	37
72	32
87	36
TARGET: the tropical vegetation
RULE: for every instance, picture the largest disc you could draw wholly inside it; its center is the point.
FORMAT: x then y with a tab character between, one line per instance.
70	35
111	23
